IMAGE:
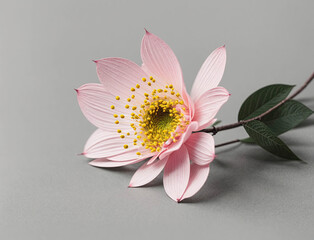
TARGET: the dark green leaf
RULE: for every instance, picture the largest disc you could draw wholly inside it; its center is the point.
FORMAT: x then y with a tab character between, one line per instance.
264	137
262	100
216	123
284	118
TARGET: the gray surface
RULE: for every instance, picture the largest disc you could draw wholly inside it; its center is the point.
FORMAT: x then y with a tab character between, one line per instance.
47	192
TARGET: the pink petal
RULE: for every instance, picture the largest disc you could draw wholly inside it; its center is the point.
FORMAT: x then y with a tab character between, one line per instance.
95	104
109	145
201	148
177	173
176	145
210	73
119	75
103	162
198	177
207	106
160	61
146	173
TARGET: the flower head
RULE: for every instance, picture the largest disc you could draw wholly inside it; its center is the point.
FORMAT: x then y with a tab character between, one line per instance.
145	113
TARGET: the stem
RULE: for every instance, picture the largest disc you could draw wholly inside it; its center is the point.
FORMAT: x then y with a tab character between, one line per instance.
215	130
227	143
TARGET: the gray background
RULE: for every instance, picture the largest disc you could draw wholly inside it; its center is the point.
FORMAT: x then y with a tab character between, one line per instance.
48	192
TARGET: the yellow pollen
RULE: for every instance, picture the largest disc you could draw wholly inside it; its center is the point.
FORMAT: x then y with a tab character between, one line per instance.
138	153
116	122
151	78
127	106
144	79
134	108
119	131
128	134
146	94
170	86
115	115
125	146
122	136
129	99
138	86
149	83
132	89
121	116
133	96
112	107
117	97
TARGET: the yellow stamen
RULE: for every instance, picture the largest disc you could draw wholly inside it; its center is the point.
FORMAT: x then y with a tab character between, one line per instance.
117	97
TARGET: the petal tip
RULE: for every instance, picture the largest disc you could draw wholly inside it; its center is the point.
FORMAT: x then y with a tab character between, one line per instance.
95	61
146	31
76	90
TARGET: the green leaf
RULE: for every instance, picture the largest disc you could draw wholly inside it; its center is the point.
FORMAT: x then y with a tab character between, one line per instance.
247	140
264	137
284	118
216	123
262	100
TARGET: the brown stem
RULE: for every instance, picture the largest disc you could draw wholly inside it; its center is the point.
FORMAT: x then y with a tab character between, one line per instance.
215	130
227	143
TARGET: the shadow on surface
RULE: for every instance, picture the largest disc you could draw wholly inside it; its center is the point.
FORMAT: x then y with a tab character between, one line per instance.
228	175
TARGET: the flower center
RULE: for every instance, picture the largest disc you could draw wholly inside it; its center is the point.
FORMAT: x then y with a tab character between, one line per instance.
158	119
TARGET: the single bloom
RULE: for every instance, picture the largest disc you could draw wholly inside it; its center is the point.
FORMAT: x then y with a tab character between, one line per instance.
144	112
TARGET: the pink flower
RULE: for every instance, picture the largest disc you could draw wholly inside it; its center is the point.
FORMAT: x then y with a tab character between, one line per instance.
145	112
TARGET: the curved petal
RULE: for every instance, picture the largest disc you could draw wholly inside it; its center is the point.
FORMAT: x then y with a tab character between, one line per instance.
207	106
210	73
119	75
160	61
95	104
176	145
201	148
103	162
177	173
198	177
102	144
146	173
